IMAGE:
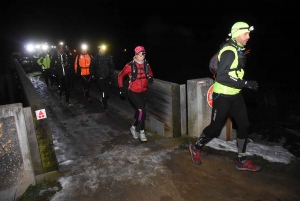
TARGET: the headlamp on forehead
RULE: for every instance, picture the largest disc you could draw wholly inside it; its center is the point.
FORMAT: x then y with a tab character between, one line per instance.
241	28
103	47
84	47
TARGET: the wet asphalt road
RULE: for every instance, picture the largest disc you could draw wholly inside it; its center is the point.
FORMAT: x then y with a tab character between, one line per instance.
99	160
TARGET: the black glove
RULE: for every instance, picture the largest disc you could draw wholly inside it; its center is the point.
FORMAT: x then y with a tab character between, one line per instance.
150	79
251	85
123	94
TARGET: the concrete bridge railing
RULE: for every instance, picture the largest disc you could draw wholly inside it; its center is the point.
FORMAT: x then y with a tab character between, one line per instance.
175	110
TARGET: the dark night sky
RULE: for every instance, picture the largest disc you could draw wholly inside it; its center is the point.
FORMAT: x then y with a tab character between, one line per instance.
184	33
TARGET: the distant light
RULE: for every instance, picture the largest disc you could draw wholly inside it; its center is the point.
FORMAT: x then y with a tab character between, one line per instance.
125	50
30	48
44	47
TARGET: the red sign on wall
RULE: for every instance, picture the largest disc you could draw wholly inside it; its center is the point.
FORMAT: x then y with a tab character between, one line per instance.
210	96
40	114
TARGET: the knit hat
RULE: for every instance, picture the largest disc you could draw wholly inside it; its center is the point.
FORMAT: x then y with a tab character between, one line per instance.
139	49
240	28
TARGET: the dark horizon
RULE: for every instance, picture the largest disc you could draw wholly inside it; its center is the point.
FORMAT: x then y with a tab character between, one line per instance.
176	36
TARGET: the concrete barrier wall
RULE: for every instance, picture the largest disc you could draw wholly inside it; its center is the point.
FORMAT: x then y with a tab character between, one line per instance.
199	111
165	106
44	158
15	159
175	110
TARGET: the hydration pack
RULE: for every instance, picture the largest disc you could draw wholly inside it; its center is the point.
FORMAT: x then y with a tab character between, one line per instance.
214	61
134	70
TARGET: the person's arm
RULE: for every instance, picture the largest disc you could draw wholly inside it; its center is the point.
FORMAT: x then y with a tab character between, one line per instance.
39	61
52	62
125	71
150	75
76	64
112	66
223	77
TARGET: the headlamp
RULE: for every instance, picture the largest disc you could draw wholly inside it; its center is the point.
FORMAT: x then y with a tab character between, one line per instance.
84	47
241	28
103	47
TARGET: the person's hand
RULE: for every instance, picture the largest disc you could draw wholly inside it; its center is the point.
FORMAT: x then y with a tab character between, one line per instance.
251	85
150	79
123	93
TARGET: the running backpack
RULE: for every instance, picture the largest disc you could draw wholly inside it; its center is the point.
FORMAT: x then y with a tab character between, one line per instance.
214	61
134	70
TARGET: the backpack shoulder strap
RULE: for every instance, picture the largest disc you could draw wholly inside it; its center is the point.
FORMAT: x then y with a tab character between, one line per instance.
146	67
133	71
78	57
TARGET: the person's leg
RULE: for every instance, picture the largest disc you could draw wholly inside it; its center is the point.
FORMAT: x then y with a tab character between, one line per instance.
60	90
85	85
72	77
99	86
63	85
87	88
45	75
139	101
89	81
134	101
105	92
221	106
50	77
67	88
238	111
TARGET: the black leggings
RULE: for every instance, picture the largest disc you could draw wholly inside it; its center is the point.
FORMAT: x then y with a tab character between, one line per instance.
86	83
224	105
47	73
104	87
64	86
138	101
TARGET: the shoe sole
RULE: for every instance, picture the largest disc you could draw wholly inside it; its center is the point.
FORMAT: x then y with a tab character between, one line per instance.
135	137
191	152
246	169
143	140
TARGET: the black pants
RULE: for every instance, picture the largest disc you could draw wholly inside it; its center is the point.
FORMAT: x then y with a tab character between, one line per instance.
138	101
223	106
86	84
104	87
72	79
64	86
47	74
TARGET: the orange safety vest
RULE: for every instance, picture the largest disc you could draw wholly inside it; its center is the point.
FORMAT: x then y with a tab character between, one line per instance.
83	63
